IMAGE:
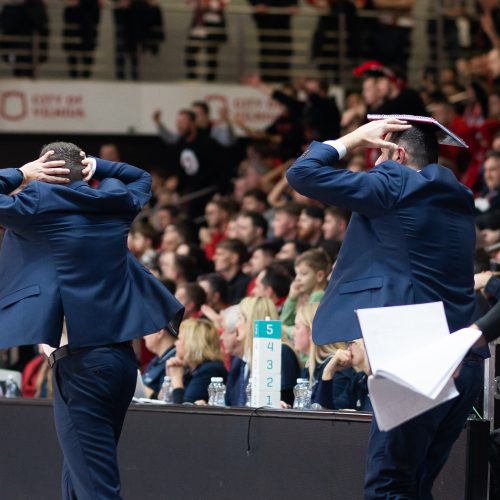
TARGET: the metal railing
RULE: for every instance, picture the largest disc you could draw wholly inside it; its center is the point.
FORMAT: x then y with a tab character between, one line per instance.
227	61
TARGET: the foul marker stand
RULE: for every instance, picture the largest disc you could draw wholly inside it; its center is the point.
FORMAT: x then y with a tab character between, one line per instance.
266	364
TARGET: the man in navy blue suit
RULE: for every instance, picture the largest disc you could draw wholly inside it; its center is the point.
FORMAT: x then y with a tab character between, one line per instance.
410	240
65	258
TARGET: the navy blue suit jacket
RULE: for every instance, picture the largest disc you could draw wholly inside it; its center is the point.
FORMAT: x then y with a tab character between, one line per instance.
65	255
410	240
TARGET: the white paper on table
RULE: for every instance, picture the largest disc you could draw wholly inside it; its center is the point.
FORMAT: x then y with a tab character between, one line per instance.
412	357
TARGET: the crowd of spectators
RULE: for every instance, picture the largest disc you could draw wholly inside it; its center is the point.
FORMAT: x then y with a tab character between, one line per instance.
227	235
249	247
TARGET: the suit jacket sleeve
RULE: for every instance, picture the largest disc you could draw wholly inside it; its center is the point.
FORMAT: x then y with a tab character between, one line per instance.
10	179
370	193
489	324
24	203
138	181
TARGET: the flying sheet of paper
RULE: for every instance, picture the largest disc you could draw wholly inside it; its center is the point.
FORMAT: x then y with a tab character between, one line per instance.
394	404
412	357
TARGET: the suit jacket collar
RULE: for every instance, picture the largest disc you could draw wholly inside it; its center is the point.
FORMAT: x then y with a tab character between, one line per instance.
77	185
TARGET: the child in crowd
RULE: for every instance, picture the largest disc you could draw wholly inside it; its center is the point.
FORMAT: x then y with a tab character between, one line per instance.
311	271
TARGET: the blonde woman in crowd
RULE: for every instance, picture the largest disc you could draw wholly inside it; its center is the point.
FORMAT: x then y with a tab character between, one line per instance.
198	359
343	383
317	356
259	308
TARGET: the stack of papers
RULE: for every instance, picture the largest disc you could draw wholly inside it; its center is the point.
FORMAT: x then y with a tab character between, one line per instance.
412	357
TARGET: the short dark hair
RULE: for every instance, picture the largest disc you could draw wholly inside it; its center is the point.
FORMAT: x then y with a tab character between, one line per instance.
68	152
278	278
339	212
289	208
172	209
226	204
188	113
195	294
492	154
217	284
235	246
186	230
201	104
257	219
323	84
257	193
186	265
169	284
263	148
268	248
147	231
420	142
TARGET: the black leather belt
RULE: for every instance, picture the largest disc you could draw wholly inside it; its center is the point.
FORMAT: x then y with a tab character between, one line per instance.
66	350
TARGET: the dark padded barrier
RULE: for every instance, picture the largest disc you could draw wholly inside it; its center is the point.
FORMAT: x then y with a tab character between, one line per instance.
191	453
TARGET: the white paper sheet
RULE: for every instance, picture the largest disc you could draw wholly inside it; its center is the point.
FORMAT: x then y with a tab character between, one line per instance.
412	357
394	404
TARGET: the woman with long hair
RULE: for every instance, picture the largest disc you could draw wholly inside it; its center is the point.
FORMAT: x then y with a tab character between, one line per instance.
318	356
198	359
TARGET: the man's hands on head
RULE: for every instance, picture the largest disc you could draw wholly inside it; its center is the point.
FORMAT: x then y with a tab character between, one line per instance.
45	170
372	134
89	167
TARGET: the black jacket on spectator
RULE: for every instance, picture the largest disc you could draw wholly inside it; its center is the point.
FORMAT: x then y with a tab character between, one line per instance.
238	287
196	383
347	389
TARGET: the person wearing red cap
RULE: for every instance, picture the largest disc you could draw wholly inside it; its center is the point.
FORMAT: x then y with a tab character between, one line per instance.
410	240
391	86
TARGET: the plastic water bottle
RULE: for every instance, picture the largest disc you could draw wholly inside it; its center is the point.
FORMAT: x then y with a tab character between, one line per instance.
11	389
301	392
249	393
220	392
307	404
212	388
166	391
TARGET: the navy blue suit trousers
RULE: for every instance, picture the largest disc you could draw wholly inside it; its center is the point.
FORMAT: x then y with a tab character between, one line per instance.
403	463
92	391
